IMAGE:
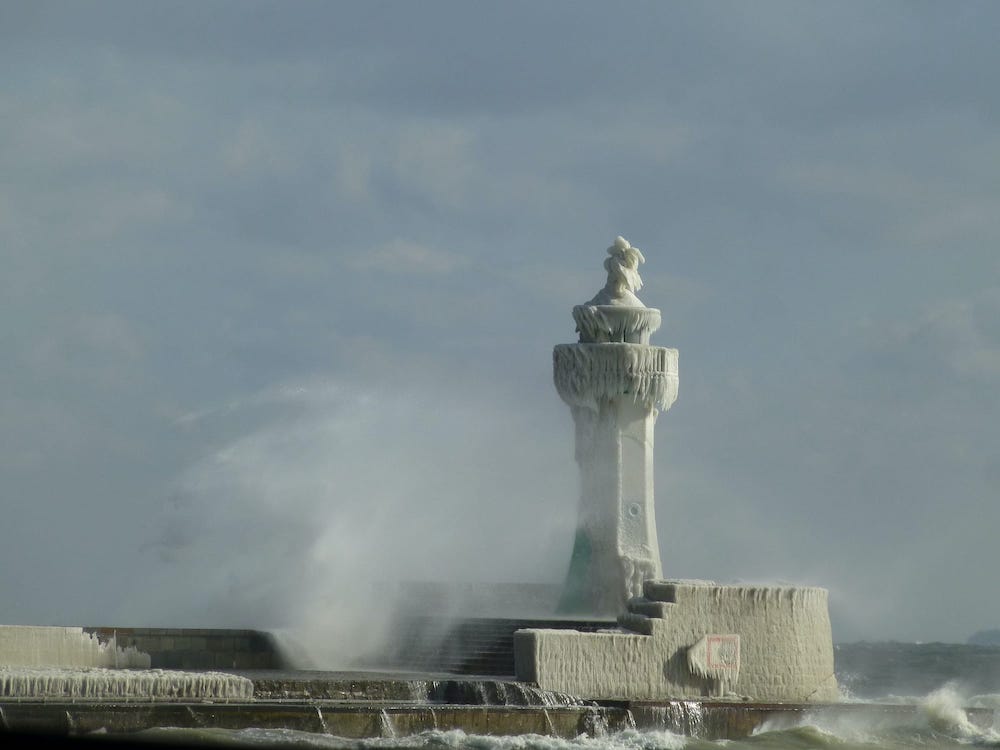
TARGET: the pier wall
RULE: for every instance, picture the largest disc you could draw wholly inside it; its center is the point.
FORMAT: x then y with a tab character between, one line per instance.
48	646
774	643
197	648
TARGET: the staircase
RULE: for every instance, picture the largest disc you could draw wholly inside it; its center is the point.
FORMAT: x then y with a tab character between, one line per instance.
474	646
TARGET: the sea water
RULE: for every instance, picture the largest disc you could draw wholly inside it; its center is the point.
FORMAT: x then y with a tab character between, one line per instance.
939	680
840	734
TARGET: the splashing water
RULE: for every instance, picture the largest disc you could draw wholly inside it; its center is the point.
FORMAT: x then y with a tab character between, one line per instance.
940	721
298	481
430	740
945	714
386	727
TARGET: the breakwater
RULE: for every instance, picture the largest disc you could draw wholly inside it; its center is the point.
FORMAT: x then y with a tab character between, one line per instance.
367	705
398	704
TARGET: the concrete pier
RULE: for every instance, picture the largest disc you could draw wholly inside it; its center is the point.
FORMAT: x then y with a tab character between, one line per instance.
694	640
368	705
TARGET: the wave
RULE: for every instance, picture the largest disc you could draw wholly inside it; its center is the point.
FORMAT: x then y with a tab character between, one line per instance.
946	718
941	720
454	739
945	712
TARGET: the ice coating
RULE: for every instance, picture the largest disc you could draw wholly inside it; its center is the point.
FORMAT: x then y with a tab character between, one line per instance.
616	385
587	374
677	639
786	651
39	646
122	684
603	324
622	265
615	314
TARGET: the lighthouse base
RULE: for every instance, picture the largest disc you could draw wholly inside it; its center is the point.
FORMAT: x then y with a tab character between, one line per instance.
686	639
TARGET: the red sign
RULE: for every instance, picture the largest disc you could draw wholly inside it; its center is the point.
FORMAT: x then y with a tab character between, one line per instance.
722	652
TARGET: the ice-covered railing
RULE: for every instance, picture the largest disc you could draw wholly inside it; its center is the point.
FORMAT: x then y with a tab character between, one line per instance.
586	374
49	683
599	324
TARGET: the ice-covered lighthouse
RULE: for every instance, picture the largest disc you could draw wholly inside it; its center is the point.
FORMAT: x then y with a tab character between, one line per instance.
675	638
616	384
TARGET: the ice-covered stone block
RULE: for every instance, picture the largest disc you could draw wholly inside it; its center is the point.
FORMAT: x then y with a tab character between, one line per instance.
45	646
784	651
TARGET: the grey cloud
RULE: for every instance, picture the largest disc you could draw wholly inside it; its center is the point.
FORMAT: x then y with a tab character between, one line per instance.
198	204
97	348
719	58
401	256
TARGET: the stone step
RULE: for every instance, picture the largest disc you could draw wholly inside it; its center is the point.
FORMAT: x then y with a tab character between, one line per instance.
640	605
666	591
660	591
475	646
637	623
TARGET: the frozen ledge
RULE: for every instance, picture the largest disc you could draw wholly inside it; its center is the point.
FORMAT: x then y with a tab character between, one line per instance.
601	324
122	684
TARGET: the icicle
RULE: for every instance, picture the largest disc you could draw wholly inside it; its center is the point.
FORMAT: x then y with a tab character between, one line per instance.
586	374
96	682
322	720
386	727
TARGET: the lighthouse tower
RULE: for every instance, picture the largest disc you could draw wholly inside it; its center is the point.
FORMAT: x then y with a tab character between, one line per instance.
615	384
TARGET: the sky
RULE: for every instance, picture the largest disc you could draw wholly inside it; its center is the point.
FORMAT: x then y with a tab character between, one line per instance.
280	283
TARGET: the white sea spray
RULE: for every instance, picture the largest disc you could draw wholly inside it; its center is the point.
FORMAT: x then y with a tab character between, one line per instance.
629	739
945	712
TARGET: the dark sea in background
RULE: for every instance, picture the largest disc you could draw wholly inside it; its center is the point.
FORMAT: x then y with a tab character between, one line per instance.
889	671
939	680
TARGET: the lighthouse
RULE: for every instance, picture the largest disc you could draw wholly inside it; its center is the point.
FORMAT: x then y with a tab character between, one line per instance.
616	384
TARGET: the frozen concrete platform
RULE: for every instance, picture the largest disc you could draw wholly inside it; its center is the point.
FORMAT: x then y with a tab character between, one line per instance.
367	705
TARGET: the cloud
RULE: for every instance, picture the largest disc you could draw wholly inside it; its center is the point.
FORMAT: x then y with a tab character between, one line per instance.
957	339
35	430
405	257
436	160
103	350
196	205
252	152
